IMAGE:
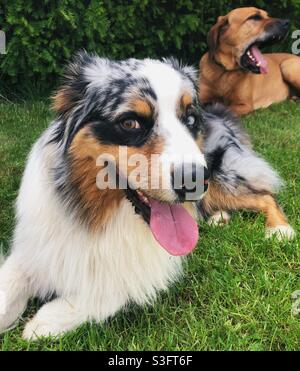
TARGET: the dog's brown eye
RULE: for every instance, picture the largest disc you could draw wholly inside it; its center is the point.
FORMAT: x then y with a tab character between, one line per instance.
130	124
255	17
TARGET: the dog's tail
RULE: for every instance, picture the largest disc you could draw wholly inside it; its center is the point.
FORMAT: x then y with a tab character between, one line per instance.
231	160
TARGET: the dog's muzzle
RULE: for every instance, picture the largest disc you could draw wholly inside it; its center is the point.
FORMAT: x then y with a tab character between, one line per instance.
278	29
190	181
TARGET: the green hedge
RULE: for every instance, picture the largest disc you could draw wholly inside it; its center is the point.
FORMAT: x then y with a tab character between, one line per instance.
42	35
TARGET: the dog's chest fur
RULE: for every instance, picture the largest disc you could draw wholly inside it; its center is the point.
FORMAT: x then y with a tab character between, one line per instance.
107	269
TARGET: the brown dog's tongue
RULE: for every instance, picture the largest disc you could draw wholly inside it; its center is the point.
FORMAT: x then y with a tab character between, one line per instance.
260	58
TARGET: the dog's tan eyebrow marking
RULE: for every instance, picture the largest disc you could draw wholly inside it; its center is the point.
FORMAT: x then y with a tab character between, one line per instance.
185	101
142	107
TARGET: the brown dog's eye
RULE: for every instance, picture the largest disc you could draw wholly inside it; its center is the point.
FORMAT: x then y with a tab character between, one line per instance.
255	17
130	124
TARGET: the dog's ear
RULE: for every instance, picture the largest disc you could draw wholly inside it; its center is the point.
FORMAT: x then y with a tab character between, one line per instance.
214	35
64	100
70	93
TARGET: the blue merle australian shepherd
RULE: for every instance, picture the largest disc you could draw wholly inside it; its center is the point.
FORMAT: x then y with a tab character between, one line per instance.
95	249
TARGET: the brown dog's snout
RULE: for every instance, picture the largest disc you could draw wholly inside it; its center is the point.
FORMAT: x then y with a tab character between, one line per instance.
278	28
284	24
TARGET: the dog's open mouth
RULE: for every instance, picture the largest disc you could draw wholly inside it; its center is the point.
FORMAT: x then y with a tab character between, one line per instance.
254	61
171	224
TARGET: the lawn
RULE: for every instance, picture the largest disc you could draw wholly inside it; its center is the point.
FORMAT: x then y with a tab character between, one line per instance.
236	293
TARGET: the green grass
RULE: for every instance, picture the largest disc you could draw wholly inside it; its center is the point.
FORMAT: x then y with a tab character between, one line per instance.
236	293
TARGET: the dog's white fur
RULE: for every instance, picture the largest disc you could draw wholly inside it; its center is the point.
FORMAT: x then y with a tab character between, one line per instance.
93	275
281	232
220	218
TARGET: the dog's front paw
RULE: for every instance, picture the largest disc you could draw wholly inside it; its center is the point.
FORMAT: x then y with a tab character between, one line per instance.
35	329
220	218
281	232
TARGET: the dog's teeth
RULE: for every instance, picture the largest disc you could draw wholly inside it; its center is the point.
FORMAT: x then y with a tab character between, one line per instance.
145	200
143	197
258	64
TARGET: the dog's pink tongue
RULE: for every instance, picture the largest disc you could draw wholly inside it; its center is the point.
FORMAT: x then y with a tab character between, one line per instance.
260	58
173	228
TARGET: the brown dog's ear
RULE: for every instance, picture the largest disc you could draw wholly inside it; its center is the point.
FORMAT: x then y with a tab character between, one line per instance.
214	35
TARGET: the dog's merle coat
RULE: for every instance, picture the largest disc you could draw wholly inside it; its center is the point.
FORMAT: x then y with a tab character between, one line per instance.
231	161
230	157
95	273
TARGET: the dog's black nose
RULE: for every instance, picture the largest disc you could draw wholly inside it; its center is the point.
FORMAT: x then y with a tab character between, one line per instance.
285	24
190	181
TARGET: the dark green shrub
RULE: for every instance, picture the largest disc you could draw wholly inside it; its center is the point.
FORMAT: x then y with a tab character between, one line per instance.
42	35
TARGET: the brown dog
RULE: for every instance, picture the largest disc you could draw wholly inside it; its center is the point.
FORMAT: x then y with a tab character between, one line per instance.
235	72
